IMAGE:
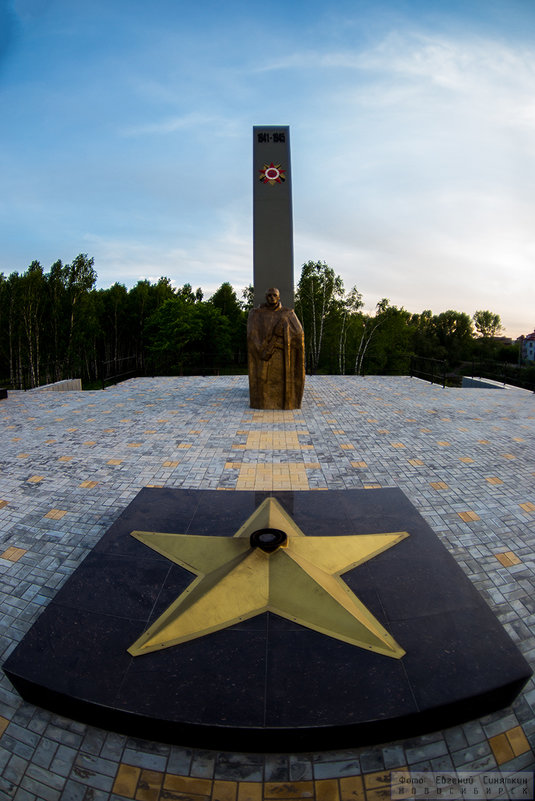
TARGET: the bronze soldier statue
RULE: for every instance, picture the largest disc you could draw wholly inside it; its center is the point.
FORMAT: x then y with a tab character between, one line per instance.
276	351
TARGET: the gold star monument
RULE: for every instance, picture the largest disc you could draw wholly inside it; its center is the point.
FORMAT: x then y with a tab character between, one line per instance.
269	565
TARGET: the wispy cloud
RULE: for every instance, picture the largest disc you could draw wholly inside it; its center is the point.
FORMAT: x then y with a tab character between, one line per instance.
169	125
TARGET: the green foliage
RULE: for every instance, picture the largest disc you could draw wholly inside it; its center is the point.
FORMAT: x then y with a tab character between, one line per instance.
318	292
181	334
247	301
57	325
487	324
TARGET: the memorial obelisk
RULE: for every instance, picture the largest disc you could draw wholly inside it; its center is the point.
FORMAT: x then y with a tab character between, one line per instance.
275	340
272	213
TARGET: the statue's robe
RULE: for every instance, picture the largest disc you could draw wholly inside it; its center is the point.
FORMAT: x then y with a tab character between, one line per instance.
276	353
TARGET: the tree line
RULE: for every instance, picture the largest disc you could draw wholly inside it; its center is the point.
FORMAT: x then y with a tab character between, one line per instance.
57	324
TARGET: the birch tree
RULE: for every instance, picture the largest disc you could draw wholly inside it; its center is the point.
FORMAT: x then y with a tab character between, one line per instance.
318	289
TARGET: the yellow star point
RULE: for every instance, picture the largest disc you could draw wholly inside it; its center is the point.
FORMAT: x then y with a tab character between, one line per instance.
300	580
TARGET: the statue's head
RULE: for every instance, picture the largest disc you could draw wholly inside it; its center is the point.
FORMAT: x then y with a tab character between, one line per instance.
273	298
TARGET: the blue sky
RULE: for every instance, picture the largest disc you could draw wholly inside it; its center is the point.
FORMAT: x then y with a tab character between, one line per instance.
126	134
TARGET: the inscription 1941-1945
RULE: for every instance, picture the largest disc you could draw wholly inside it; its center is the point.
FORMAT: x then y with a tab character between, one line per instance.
276	137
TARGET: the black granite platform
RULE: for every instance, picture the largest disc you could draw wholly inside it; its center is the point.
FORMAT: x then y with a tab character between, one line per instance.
268	684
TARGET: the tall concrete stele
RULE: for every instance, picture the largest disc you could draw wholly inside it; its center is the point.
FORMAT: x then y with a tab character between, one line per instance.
272	213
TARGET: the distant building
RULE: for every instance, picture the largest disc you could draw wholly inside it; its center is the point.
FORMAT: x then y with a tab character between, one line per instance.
527	347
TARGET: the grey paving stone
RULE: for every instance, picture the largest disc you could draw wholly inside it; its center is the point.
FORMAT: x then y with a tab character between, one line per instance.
483	425
300	768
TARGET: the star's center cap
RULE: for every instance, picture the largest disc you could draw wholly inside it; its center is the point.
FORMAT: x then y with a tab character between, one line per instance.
268	539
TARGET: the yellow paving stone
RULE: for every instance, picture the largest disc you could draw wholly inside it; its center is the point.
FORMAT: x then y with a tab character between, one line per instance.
70	430
88	484
3	503
439	485
89	442
273	440
416	462
194	432
327	790
359	465
35	479
134	445
444	444
114	461
397	444
312	465
372	486
508	558
528	507
151	431
494	480
249	791
49	441
224	790
4	723
378	794
425	430
288	790
351	788
274	416
508	456
273	476
149	785
13	554
188	785
338	431
185	445
501	748
170	464
466	459
56	514
126	780
517	740
108	430
468	516
379	779
347	446
383	431
22	455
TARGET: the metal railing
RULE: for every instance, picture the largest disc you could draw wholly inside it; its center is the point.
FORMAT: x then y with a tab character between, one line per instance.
433	370
501	372
115	370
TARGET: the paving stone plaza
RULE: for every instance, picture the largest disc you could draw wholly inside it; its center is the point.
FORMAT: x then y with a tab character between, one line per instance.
72	461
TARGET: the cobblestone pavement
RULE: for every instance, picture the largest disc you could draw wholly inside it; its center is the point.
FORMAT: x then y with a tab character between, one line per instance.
72	461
